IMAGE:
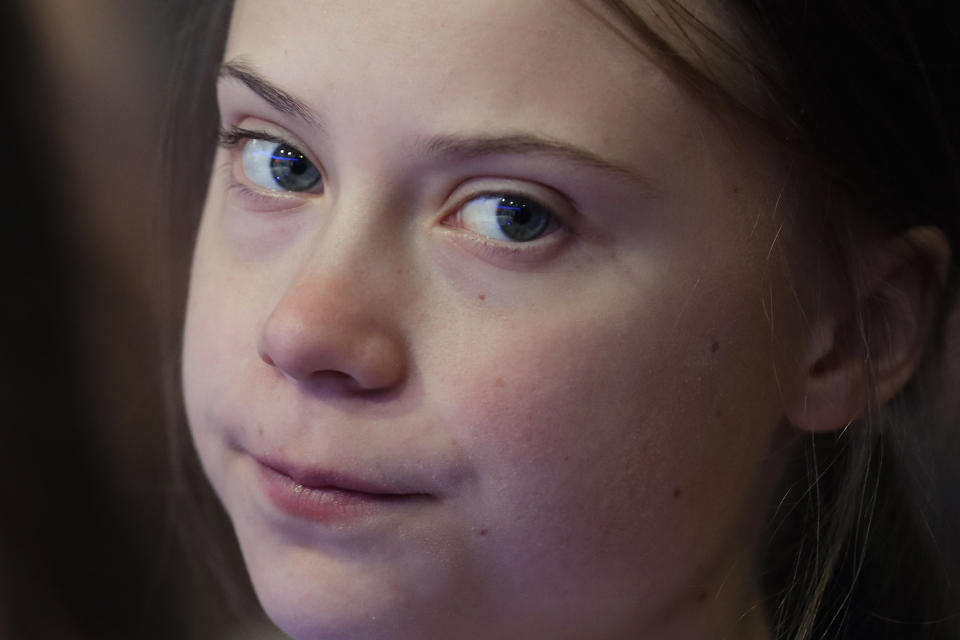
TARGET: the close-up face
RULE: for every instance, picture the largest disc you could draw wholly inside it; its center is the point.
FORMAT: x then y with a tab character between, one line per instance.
490	329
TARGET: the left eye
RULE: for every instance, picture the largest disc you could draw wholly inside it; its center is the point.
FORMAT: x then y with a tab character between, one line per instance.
279	166
507	217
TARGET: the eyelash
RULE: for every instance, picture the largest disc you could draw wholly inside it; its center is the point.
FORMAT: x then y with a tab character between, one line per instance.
229	138
520	202
259	198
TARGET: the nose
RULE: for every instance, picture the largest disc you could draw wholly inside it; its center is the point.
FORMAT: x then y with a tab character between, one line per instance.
329	329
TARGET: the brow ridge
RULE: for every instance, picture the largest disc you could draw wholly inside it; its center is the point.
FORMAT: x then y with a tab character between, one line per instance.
530	144
240	69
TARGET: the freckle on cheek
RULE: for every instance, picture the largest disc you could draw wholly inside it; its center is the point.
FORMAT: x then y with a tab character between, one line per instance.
677	493
482	296
483	532
715	347
499	382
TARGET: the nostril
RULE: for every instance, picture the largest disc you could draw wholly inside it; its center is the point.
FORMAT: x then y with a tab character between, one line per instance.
266	358
333	377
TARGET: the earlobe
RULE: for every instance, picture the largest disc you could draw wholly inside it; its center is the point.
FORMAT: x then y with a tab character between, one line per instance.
864	353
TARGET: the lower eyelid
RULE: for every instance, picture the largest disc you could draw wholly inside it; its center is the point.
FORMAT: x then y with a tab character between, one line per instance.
263	201
554	228
516	256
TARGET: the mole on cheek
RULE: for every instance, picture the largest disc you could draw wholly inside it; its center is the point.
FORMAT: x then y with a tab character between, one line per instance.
482	296
677	493
499	382
715	347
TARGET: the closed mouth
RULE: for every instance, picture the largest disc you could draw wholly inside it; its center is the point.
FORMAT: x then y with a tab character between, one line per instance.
326	480
332	498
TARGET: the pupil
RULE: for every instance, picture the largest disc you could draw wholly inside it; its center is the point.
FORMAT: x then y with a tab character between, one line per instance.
522	220
291	169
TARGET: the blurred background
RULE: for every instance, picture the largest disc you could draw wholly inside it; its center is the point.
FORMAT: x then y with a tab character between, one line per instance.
88	539
88	547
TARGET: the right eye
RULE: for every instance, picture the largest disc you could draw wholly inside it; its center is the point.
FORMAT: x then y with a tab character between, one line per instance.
508	218
279	166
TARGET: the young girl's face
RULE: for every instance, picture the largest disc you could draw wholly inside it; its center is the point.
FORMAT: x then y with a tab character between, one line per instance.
505	351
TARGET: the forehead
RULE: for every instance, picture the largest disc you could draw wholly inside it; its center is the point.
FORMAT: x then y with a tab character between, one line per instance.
421	31
703	33
559	68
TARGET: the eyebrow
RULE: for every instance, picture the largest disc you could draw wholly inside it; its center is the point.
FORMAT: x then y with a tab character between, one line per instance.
452	146
239	69
529	144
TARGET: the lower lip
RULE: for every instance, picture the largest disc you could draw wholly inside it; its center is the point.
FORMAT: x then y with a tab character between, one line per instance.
329	505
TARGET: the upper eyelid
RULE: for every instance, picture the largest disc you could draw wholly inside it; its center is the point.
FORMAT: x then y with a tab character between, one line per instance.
229	136
512	193
563	219
559	204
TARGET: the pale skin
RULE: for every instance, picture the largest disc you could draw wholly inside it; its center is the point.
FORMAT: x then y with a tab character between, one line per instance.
599	415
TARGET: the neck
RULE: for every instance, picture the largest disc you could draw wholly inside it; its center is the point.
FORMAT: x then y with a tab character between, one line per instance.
728	606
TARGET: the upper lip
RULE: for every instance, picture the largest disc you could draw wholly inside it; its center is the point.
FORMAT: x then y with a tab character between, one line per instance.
314	477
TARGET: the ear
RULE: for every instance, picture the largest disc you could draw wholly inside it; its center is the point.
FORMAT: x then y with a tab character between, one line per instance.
863	354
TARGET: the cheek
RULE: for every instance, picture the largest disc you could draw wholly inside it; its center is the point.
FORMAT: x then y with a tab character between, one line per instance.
609	431
616	371
218	345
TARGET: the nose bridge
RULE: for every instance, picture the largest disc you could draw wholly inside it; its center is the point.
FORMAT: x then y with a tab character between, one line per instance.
361	234
337	320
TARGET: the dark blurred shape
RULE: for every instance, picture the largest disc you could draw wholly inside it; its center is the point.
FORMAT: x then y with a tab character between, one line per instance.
87	536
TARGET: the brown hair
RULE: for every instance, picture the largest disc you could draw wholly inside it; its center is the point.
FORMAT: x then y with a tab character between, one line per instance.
189	145
863	96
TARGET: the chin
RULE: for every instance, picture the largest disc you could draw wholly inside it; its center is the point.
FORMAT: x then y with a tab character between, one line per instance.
311	595
321	609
